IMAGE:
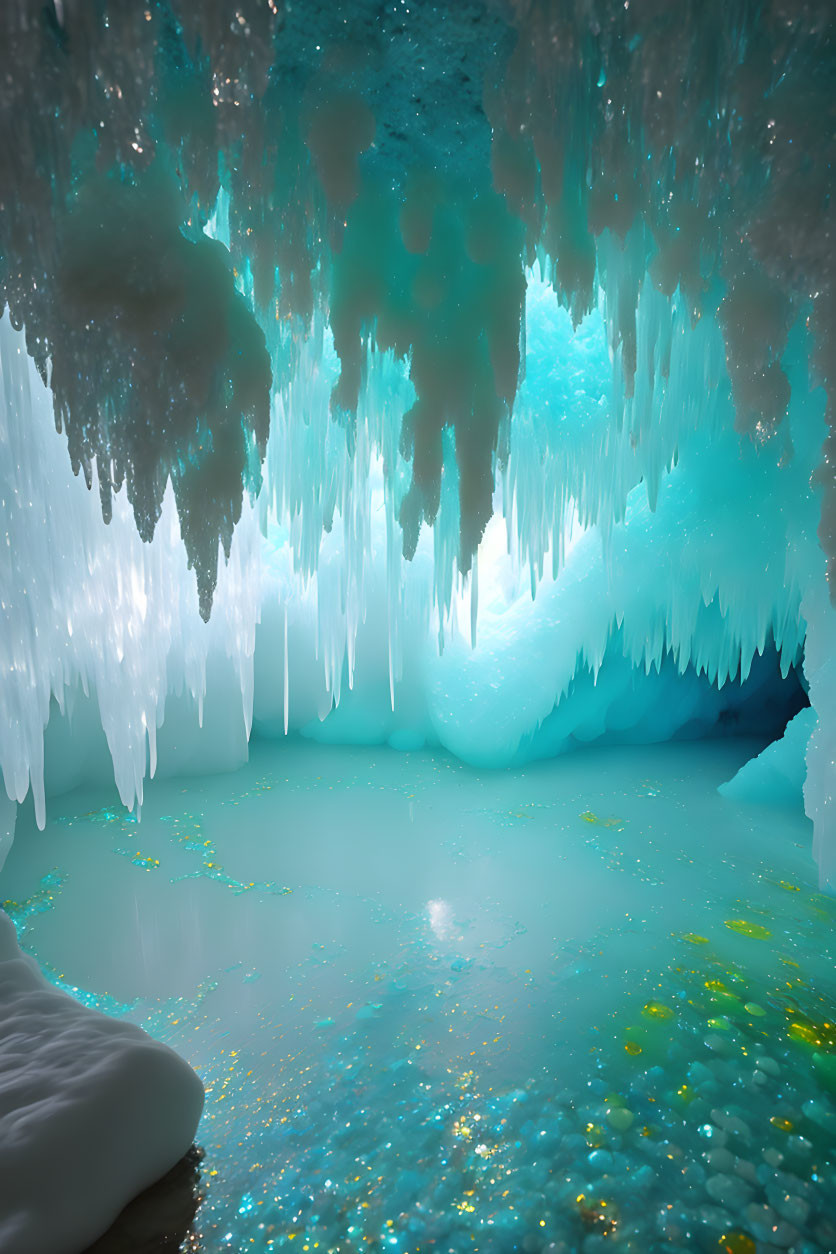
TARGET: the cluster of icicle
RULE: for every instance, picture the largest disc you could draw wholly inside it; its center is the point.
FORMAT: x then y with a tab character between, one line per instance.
635	522
88	606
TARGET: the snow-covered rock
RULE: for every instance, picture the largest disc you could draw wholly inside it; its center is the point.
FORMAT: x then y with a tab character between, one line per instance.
92	1111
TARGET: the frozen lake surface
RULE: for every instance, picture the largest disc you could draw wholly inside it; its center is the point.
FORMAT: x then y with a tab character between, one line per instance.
439	1009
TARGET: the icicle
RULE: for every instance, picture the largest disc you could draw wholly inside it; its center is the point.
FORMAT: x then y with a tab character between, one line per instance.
286	694
391	664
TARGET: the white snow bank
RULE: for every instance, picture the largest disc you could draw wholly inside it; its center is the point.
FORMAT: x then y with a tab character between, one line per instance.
776	776
92	1111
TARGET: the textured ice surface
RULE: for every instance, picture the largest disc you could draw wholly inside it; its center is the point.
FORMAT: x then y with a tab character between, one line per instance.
425	999
92	1111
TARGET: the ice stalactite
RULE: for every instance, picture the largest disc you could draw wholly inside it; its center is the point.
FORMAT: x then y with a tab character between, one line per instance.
89	608
88	605
8	819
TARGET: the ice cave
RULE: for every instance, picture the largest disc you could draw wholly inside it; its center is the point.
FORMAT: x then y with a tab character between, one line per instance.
417	626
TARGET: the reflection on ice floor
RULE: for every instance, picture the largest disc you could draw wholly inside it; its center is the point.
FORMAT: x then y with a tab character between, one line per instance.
437	1009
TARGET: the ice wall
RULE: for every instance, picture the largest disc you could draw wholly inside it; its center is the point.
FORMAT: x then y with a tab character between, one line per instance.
710	575
574	630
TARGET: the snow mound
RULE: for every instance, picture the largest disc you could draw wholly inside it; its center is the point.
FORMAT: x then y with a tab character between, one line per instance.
92	1111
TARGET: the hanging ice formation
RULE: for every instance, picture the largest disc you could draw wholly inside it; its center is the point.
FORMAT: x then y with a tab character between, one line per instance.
408	328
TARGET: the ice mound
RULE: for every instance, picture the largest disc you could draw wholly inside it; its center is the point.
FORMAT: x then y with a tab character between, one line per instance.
92	1111
776	776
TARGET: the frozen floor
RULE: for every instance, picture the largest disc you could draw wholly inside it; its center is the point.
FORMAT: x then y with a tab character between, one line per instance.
584	1005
